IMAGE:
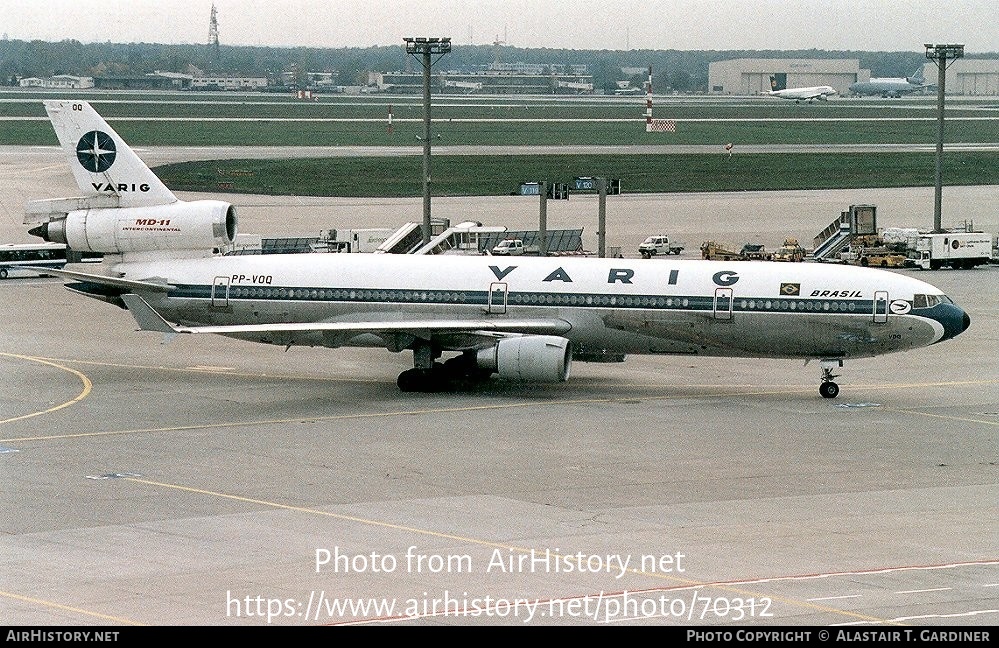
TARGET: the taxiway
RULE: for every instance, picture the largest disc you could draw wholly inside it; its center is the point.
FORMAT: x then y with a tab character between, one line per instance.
202	482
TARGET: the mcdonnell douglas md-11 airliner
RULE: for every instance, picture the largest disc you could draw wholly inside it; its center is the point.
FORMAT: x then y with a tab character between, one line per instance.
521	318
892	87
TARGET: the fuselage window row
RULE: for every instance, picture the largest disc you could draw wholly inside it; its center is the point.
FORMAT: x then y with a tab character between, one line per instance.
545	299
753	305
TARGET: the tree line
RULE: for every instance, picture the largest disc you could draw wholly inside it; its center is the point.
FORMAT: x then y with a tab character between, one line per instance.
683	71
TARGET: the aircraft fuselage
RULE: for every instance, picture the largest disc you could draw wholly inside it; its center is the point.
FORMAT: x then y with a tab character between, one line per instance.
745	309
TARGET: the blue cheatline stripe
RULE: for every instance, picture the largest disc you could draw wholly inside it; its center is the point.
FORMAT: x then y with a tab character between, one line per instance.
539	299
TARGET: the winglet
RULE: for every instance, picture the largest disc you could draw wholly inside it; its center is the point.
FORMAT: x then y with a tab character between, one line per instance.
147	317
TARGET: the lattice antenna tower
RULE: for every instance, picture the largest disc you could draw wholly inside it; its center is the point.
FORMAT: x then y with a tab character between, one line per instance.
496	45
213	34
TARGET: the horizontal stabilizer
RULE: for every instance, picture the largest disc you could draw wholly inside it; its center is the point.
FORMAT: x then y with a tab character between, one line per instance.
115	282
43	211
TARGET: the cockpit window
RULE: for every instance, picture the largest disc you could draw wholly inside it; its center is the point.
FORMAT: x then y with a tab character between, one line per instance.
929	301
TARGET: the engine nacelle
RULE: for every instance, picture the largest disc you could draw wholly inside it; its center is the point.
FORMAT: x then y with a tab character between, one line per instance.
197	225
531	358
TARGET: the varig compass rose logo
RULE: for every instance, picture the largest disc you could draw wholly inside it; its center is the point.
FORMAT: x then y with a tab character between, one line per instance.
96	151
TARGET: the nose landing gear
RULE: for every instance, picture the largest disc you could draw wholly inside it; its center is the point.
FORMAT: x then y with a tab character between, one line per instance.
828	388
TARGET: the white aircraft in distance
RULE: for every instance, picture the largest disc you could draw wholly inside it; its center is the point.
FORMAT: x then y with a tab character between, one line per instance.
523	319
889	87
778	89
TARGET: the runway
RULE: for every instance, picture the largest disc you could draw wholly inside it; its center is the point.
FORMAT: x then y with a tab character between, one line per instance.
157	155
213	482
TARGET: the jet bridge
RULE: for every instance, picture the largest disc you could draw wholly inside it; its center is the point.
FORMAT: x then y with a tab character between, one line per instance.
463	238
476	238
409	238
557	242
469	237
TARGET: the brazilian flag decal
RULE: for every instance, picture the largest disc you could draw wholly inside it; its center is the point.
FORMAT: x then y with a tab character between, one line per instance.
790	289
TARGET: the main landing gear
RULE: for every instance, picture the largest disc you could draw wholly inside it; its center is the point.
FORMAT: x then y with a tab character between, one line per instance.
828	388
456	374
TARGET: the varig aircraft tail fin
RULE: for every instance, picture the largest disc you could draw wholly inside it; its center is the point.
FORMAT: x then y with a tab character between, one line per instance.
102	163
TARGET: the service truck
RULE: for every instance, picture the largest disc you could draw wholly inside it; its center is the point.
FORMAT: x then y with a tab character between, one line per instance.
509	247
874	257
790	252
515	247
659	244
714	251
352	240
959	250
755	252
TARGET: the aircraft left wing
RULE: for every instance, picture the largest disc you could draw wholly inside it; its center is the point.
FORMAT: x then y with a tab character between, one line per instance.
150	320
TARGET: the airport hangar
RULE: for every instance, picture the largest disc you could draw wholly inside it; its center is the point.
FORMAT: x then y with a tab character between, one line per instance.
969	77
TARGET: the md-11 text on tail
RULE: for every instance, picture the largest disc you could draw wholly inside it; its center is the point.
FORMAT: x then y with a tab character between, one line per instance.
521	318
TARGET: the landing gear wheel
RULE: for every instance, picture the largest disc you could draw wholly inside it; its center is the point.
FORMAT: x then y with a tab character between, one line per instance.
428	381
463	373
411	380
460	373
829	390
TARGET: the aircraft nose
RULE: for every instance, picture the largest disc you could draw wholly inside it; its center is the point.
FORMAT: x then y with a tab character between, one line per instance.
954	319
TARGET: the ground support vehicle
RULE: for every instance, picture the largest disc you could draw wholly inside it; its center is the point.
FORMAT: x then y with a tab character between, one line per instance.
659	245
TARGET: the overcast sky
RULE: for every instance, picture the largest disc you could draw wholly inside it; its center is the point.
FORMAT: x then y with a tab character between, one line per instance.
889	25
